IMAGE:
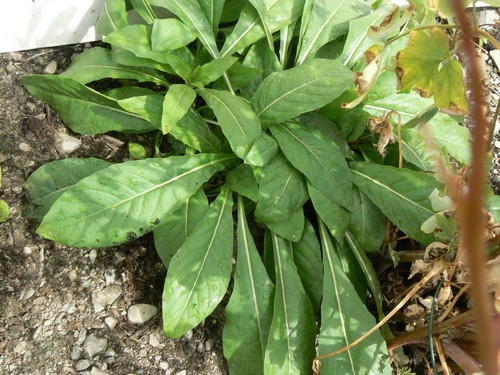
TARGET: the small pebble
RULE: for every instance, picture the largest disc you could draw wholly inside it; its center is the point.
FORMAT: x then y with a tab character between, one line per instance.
153	340
75	353
31	106
188	335
83	364
72	275
92	255
209	345
200	348
66	144
94	345
23	146
110	275
97	371
141	313
105	297
164	365
50	68
111	322
27	250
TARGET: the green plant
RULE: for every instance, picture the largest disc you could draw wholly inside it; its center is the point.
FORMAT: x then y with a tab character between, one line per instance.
268	102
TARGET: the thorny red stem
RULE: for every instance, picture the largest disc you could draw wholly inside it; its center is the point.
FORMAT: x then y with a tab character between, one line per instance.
471	201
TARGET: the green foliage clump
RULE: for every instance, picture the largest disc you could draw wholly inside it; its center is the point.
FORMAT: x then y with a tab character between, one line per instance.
264	106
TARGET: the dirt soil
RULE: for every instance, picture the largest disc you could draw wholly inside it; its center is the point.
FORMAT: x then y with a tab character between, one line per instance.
64	310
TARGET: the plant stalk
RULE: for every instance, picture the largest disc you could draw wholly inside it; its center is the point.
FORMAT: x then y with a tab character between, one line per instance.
471	201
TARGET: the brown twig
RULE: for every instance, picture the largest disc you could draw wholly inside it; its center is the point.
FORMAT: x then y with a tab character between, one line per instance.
471	202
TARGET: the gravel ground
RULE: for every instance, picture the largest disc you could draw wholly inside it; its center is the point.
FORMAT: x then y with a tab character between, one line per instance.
68	311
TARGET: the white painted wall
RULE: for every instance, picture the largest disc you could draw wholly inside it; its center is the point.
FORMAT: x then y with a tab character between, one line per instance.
28	24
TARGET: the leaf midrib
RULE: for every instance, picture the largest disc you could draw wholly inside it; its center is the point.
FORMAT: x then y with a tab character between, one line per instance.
320	31
288	93
209	249
200	167
283	292
386	187
328	251
252	281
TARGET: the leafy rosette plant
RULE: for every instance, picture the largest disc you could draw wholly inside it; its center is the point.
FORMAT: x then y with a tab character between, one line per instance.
264	108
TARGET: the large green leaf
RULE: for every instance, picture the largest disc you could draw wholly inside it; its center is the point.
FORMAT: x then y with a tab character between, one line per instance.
126	200
371	279
191	13
263	150
209	72
125	57
137	39
51	180
96	63
306	255
276	14
191	129
177	226
72	99
213	11
239	123
336	217
250	309
416	151
328	20
290	347
401	194
282	190
169	34
143	8
367	222
290	228
345	318
351	267
248	30
287	94
199	274
242	180
319	159
113	17
177	102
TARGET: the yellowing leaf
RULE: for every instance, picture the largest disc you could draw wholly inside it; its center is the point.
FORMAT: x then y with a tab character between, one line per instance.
426	65
449	93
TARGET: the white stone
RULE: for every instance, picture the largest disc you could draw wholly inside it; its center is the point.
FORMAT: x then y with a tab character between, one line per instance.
97	371
105	297
27	250
83	364
94	345
75	353
110	275
23	146
141	313
188	335
72	275
164	365
111	322
153	340
93	255
66	144
51	67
